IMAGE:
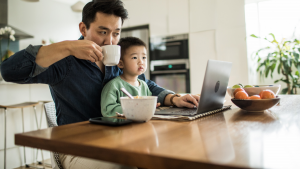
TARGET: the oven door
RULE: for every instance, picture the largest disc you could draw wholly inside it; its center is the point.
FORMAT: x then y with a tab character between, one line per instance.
172	76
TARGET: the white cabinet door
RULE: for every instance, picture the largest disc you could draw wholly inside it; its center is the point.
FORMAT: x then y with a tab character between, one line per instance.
138	12
158	17
202	15
230	13
231	47
127	6
202	47
178	16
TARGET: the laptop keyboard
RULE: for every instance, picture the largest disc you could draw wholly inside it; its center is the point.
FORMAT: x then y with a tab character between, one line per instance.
185	112
175	111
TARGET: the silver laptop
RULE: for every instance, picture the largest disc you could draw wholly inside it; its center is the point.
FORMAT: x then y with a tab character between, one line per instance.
213	91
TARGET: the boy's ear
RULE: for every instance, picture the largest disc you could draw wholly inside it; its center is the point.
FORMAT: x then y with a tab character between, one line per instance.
121	64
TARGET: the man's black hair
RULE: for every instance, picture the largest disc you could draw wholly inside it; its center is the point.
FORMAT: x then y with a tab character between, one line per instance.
114	7
127	42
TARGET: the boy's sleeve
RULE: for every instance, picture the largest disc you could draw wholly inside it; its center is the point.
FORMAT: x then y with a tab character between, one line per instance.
109	104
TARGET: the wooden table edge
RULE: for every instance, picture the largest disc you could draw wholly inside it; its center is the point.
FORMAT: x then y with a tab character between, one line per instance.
117	156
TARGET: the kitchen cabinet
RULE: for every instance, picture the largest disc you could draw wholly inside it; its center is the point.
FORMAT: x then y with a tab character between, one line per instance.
164	16
202	47
138	12
202	15
158	17
178	16
231	47
230	13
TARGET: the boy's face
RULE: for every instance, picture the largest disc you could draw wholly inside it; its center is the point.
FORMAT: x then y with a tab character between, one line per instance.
134	61
105	30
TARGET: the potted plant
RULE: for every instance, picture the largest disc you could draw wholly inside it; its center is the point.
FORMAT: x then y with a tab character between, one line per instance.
6	33
282	57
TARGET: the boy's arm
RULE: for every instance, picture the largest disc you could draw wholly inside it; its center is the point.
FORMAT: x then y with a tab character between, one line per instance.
109	104
156	90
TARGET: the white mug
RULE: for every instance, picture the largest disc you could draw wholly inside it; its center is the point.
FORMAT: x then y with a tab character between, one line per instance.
111	54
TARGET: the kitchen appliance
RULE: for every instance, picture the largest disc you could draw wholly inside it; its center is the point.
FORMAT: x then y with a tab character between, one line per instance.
169	47
171	74
141	32
169	65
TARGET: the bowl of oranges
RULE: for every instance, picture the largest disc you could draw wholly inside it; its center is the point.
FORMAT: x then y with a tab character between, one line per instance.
264	100
254	89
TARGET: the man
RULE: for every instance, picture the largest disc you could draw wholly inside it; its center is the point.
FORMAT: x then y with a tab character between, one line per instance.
74	70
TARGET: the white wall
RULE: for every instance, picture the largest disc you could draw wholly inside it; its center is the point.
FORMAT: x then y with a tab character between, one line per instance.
44	20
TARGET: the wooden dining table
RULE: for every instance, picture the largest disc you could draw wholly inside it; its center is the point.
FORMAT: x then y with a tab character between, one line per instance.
229	139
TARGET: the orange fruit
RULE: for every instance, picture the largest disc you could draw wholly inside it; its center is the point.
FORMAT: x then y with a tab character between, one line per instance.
260	94
237	90
267	94
254	97
241	95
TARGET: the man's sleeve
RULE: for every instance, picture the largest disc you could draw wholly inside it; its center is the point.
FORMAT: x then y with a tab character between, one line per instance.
21	68
156	90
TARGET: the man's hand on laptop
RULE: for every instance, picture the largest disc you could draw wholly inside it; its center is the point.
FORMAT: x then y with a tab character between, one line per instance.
188	100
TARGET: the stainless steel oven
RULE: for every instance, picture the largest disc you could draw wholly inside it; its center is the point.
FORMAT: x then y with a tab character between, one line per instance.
171	74
169	47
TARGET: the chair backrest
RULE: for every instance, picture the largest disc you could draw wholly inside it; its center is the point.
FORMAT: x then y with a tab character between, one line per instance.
51	121
50	114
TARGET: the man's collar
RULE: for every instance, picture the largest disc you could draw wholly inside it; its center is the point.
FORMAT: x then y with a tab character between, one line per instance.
81	37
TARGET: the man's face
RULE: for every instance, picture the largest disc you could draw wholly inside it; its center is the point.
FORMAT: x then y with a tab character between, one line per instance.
105	30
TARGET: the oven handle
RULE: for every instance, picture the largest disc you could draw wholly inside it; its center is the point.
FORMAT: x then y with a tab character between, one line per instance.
173	44
170	44
168	71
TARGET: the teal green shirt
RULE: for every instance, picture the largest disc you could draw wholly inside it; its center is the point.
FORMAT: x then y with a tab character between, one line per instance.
111	93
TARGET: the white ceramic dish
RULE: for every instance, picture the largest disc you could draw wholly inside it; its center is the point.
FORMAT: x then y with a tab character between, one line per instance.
139	110
256	90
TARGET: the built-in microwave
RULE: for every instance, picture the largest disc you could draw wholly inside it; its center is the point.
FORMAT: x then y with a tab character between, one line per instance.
169	47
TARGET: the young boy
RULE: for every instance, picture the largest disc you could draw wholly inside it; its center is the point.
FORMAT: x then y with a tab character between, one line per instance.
133	62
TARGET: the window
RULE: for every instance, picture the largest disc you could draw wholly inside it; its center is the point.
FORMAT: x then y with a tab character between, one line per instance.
280	17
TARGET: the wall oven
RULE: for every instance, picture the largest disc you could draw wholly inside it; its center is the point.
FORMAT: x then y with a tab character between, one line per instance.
171	74
169	62
169	47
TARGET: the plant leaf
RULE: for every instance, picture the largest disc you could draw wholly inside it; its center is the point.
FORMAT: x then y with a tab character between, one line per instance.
254	36
284	91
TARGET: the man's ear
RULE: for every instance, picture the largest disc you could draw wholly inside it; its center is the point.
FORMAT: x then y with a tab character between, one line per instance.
121	64
82	29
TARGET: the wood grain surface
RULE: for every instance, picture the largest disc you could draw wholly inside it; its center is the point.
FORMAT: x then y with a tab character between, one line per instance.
20	105
229	139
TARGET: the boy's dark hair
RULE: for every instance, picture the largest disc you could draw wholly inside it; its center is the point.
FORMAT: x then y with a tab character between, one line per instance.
114	7
128	42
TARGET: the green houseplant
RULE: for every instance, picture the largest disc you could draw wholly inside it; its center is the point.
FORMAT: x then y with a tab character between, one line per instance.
282	57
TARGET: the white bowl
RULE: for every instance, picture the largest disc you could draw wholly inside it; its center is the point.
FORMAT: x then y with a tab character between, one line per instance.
256	90
139	110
